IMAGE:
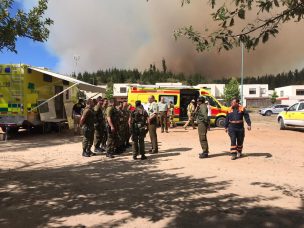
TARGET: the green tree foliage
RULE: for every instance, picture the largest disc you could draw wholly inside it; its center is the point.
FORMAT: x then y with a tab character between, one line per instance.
274	97
274	81
231	90
234	27
31	25
109	91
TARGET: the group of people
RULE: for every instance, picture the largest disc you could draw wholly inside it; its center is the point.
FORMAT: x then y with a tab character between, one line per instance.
109	126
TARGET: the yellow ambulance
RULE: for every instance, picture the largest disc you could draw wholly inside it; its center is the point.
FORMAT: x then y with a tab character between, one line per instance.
181	96
31	96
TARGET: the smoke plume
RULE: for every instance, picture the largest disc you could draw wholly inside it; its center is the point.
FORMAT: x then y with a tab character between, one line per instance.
135	33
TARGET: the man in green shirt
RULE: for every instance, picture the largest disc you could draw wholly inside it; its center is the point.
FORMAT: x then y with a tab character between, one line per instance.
202	122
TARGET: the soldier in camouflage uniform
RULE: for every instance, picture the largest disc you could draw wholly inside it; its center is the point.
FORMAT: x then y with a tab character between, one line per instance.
112	127
87	123
99	125
121	130
138	123
105	133
127	113
202	122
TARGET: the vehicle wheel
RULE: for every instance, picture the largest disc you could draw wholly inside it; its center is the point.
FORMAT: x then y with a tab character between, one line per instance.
220	122
268	113
282	125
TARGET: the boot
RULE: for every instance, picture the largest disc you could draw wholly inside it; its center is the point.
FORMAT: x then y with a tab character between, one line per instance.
143	157
203	155
233	156
239	154
110	155
85	154
134	157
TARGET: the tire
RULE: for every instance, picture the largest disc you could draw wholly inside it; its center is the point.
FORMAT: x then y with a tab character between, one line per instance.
220	122
268	113
282	124
13	130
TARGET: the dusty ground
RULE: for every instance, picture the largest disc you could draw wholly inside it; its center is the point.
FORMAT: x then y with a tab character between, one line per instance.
44	182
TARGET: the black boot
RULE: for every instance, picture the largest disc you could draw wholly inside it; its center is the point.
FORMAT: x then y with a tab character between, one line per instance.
84	153
203	155
233	156
143	157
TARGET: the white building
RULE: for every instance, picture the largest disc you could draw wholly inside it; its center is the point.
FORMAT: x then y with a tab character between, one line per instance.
216	90
290	94
255	90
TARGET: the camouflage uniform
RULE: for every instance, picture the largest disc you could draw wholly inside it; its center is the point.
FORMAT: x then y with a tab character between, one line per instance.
88	129
202	121
139	129
121	131
105	130
99	126
112	141
127	134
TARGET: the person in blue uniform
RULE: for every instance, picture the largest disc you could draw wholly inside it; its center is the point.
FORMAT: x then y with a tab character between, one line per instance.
234	125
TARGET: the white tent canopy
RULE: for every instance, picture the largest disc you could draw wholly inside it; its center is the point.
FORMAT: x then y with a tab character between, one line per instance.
81	85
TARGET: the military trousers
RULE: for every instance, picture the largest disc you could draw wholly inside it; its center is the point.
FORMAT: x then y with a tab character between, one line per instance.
153	136
138	144
163	121
112	142
202	133
98	136
88	137
237	136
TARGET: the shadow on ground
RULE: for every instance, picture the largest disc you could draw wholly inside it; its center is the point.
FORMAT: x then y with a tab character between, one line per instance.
38	197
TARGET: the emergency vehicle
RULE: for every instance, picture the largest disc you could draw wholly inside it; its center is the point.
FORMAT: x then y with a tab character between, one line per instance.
31	97
181	96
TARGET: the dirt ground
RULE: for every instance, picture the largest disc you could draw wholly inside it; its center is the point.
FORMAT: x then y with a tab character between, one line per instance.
45	182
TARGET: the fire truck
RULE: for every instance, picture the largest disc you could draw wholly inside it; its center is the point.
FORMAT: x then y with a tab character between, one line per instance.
181	96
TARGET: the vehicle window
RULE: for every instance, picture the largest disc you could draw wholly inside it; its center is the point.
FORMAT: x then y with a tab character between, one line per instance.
169	98
293	107
212	102
277	106
301	107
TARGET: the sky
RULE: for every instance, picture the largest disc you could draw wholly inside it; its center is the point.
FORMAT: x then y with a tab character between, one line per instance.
136	33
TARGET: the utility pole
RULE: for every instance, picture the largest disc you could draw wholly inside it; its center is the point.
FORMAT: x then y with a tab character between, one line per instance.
242	74
76	61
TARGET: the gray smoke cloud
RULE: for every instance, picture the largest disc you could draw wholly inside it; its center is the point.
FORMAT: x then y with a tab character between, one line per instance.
135	33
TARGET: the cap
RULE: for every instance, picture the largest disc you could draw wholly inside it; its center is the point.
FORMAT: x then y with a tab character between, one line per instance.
201	99
193	100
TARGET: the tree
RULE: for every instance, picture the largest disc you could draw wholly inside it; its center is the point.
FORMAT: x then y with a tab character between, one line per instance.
30	25
269	15
109	91
274	97
164	65
231	90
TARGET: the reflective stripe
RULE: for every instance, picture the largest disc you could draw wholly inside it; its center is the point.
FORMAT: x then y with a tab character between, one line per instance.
236	121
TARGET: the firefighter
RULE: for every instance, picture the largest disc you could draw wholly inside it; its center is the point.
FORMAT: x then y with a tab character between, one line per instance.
190	113
234	125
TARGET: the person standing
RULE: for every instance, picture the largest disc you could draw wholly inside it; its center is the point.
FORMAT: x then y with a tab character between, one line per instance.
234	125
121	130
105	133
209	114
163	110
152	121
138	123
190	113
99	125
76	115
202	122
87	123
171	114
112	122
127	114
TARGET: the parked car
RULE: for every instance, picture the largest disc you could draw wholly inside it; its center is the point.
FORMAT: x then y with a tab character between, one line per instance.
292	116
273	109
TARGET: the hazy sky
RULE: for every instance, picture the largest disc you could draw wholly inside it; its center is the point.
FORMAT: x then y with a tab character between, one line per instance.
135	33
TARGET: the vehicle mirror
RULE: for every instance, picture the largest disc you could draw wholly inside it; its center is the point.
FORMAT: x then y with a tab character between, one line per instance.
285	109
